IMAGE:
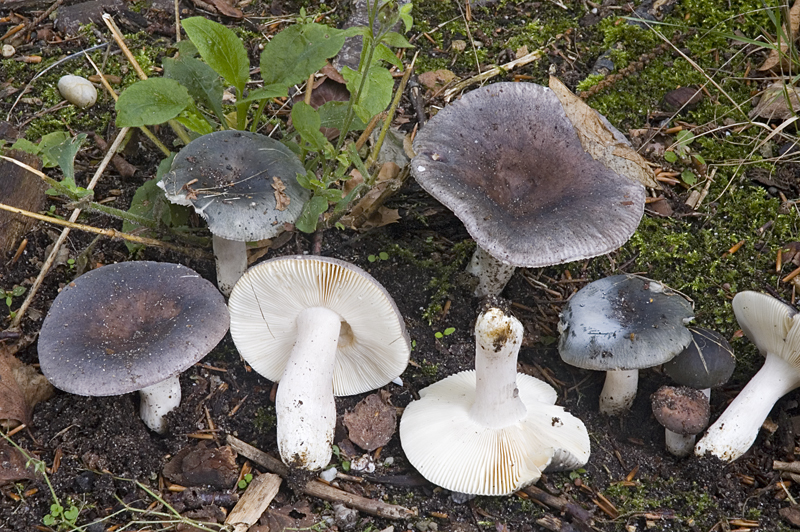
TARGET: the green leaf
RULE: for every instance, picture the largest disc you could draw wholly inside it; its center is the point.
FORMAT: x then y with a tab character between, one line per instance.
193	119
47	143
306	121
307	221
267	91
405	15
26	146
438	335
72	514
670	156
377	93
688	177
385	256
186	48
242	484
395	40
64	154
699	158
346	465
332	115
149	202
372	258
150	102
449	331
221	49
685	137
384	53
297	52
200	80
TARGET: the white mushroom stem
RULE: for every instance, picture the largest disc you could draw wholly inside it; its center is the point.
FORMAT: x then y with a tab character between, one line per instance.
231	259
619	391
304	404
492	274
737	428
157	401
497	341
677	444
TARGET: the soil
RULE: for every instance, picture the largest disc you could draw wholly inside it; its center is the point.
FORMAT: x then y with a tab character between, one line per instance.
100	454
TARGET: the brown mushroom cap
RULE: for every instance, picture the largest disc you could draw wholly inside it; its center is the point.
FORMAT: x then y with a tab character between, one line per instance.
507	161
126	326
682	410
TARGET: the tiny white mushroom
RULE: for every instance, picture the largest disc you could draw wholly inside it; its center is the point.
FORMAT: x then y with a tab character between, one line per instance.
77	90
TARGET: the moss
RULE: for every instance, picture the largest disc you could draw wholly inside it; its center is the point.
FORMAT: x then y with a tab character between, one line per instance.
265	419
426	369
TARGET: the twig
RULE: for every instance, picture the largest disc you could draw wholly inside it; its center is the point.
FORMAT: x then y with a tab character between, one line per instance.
255	500
492	72
315	488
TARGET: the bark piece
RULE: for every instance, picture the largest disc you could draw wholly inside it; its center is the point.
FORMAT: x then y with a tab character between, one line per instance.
24	190
372	423
203	465
254	502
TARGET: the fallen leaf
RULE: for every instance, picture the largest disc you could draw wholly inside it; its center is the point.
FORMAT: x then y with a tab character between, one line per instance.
203	465
388	176
12	464
281	199
220	6
372	423
779	59
778	102
436	78
791	253
14	409
601	140
298	516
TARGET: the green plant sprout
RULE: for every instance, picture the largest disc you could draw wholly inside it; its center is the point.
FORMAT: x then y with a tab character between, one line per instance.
16	291
246	480
380	256
338	454
681	151
446	332
191	92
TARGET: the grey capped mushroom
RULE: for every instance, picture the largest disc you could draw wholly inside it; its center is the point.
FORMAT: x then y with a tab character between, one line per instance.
684	413
507	161
619	325
707	362
244	185
322	327
132	326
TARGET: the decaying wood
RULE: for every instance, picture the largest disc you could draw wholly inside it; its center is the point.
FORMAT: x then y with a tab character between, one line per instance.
315	488
254	502
789	467
23	189
580	517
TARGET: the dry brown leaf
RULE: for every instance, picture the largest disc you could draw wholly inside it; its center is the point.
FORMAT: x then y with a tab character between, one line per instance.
12	464
601	140
372	423
387	176
21	387
281	199
436	78
778	102
779	59
223	7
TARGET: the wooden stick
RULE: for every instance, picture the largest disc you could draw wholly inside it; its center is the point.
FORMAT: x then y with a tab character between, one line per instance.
254	502
492	72
315	488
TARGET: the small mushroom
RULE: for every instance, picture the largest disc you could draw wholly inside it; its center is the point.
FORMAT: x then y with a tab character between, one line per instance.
491	431
244	185
683	412
77	90
619	325
507	161
707	362
774	327
322	327
132	326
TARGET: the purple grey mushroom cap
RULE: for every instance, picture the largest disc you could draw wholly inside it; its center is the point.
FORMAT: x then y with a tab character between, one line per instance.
127	326
682	410
507	161
707	362
228	177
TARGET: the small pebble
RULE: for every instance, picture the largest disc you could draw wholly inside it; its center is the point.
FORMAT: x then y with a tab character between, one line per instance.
328	475
8	51
77	90
389	461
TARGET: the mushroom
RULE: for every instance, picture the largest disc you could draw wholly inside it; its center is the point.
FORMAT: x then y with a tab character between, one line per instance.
132	326
507	161
774	327
322	327
244	185
707	362
491	431
619	325
683	412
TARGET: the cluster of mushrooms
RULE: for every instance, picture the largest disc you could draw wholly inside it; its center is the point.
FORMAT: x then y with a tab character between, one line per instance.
324	327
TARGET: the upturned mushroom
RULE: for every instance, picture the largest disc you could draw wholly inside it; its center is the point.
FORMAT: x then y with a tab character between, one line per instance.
322	327
774	327
491	431
619	325
684	413
132	326
507	161
244	185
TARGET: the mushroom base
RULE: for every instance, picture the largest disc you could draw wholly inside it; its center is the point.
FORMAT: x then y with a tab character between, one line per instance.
159	400
679	445
619	391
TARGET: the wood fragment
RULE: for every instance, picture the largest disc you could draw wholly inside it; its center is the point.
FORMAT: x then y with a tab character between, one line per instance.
606	506
791	276
492	72
315	488
257	497
791	467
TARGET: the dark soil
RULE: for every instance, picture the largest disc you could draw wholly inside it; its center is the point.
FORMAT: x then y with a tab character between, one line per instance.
630	483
